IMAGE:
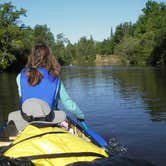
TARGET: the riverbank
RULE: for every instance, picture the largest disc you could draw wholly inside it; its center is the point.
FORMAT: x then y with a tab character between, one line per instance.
104	60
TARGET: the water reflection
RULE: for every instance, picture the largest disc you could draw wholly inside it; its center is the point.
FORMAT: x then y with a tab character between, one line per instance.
136	87
8	94
139	87
123	103
148	84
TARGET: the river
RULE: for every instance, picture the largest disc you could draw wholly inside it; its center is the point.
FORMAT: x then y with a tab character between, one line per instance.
124	103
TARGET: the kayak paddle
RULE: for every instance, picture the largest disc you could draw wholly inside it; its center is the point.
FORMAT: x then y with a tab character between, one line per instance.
94	136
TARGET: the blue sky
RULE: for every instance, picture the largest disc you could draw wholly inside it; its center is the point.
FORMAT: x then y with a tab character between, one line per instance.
77	18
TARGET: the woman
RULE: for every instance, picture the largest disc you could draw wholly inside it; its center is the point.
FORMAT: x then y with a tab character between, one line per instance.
39	84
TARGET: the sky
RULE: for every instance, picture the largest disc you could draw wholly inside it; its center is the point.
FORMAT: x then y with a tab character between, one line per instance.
78	18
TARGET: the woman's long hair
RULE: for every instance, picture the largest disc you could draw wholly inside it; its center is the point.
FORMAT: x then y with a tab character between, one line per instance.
41	56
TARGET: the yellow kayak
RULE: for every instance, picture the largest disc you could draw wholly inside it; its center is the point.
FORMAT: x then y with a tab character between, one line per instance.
46	145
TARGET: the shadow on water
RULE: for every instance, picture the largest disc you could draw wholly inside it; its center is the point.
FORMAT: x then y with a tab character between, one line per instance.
8	94
148	84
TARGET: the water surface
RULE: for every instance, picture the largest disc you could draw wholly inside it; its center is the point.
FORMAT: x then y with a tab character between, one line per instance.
126	103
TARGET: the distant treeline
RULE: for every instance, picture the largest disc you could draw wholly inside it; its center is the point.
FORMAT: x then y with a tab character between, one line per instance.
140	43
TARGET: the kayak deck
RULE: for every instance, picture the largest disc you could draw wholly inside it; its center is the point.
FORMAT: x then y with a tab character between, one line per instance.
9	133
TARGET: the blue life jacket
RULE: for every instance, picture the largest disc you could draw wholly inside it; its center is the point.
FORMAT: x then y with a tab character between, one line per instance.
46	90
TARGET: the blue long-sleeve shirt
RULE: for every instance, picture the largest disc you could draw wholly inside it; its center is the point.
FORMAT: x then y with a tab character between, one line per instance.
63	97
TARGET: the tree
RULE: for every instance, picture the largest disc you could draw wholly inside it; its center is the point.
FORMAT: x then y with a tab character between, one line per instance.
128	48
60	49
9	30
149	28
43	35
158	54
21	47
105	47
111	33
85	50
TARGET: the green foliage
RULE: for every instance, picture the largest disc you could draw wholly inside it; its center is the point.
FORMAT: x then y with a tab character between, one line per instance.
9	15
85	50
153	21
60	51
158	54
21	47
105	47
43	35
129	48
5	59
140	43
9	31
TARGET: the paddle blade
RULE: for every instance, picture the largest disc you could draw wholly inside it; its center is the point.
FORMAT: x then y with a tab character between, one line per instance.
94	136
97	138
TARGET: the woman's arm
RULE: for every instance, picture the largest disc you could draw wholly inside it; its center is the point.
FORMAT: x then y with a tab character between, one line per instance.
68	103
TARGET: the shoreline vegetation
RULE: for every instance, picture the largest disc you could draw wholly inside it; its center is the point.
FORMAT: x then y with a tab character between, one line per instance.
105	60
139	43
